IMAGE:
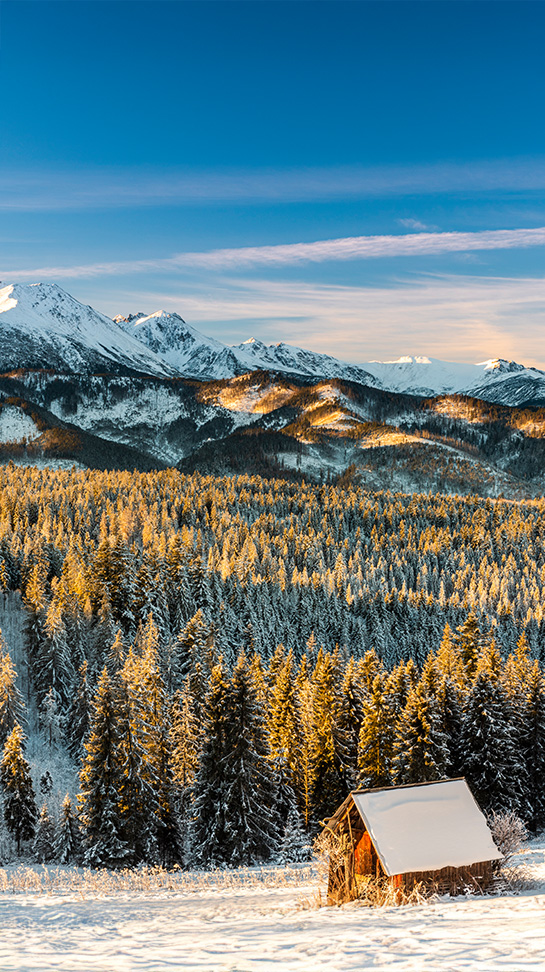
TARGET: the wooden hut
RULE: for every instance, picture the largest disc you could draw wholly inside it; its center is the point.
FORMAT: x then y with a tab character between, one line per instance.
432	834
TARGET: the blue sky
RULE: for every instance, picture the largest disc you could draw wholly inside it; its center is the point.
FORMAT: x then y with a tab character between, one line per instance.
366	179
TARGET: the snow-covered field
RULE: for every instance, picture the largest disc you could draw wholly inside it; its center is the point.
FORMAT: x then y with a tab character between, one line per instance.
261	925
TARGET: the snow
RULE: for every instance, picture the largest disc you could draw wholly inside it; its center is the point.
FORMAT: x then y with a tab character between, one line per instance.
16	425
426	827
269	926
421	375
43	326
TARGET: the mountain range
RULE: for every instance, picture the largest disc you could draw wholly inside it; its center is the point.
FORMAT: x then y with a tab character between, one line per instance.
145	391
193	355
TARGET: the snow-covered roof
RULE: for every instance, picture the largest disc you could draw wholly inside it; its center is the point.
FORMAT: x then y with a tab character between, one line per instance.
426	827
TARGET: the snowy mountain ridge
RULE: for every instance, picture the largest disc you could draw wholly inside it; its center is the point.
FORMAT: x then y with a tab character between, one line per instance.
43	327
194	355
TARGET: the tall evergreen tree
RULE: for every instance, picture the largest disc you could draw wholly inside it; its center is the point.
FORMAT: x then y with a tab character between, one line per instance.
67	842
19	799
45	837
12	706
209	840
251	824
100	781
329	782
376	738
490	761
532	741
76	725
420	748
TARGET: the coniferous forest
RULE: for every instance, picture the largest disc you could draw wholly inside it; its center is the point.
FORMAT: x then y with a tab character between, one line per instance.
218	662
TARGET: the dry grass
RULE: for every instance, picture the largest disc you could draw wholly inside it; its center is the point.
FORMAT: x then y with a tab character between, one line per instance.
87	882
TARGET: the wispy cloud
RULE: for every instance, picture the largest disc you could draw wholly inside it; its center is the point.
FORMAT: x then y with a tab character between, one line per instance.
291	254
116	188
416	225
457	318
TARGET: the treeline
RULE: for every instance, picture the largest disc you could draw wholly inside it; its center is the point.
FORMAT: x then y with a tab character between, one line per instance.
268	562
187	760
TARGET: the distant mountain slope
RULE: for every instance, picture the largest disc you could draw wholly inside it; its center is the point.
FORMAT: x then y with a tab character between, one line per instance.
493	380
30	435
185	349
41	326
268	423
194	355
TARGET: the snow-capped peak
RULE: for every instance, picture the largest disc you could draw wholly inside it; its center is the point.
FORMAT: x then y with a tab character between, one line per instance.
42	326
501	364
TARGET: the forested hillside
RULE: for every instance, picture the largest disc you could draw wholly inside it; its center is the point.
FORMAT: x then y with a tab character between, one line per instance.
223	659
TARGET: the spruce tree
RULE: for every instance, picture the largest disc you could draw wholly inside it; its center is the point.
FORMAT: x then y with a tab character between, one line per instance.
136	802
489	756
376	740
11	701
186	736
294	846
76	725
67	844
19	799
52	669
329	782
45	838
251	824
420	747
157	744
282	716
532	741
209	841
100	781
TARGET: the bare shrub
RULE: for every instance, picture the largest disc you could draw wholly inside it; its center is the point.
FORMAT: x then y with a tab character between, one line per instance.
335	864
509	833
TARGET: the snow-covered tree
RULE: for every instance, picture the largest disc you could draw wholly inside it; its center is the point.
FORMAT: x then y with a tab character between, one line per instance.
45	837
100	781
19	799
67	842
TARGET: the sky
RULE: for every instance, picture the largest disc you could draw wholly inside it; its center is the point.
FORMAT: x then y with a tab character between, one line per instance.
365	179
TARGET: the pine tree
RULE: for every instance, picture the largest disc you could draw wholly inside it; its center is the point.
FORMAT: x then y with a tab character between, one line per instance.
295	845
376	738
209	842
11	702
100	780
251	825
19	800
67	844
420	748
487	746
76	725
45	838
